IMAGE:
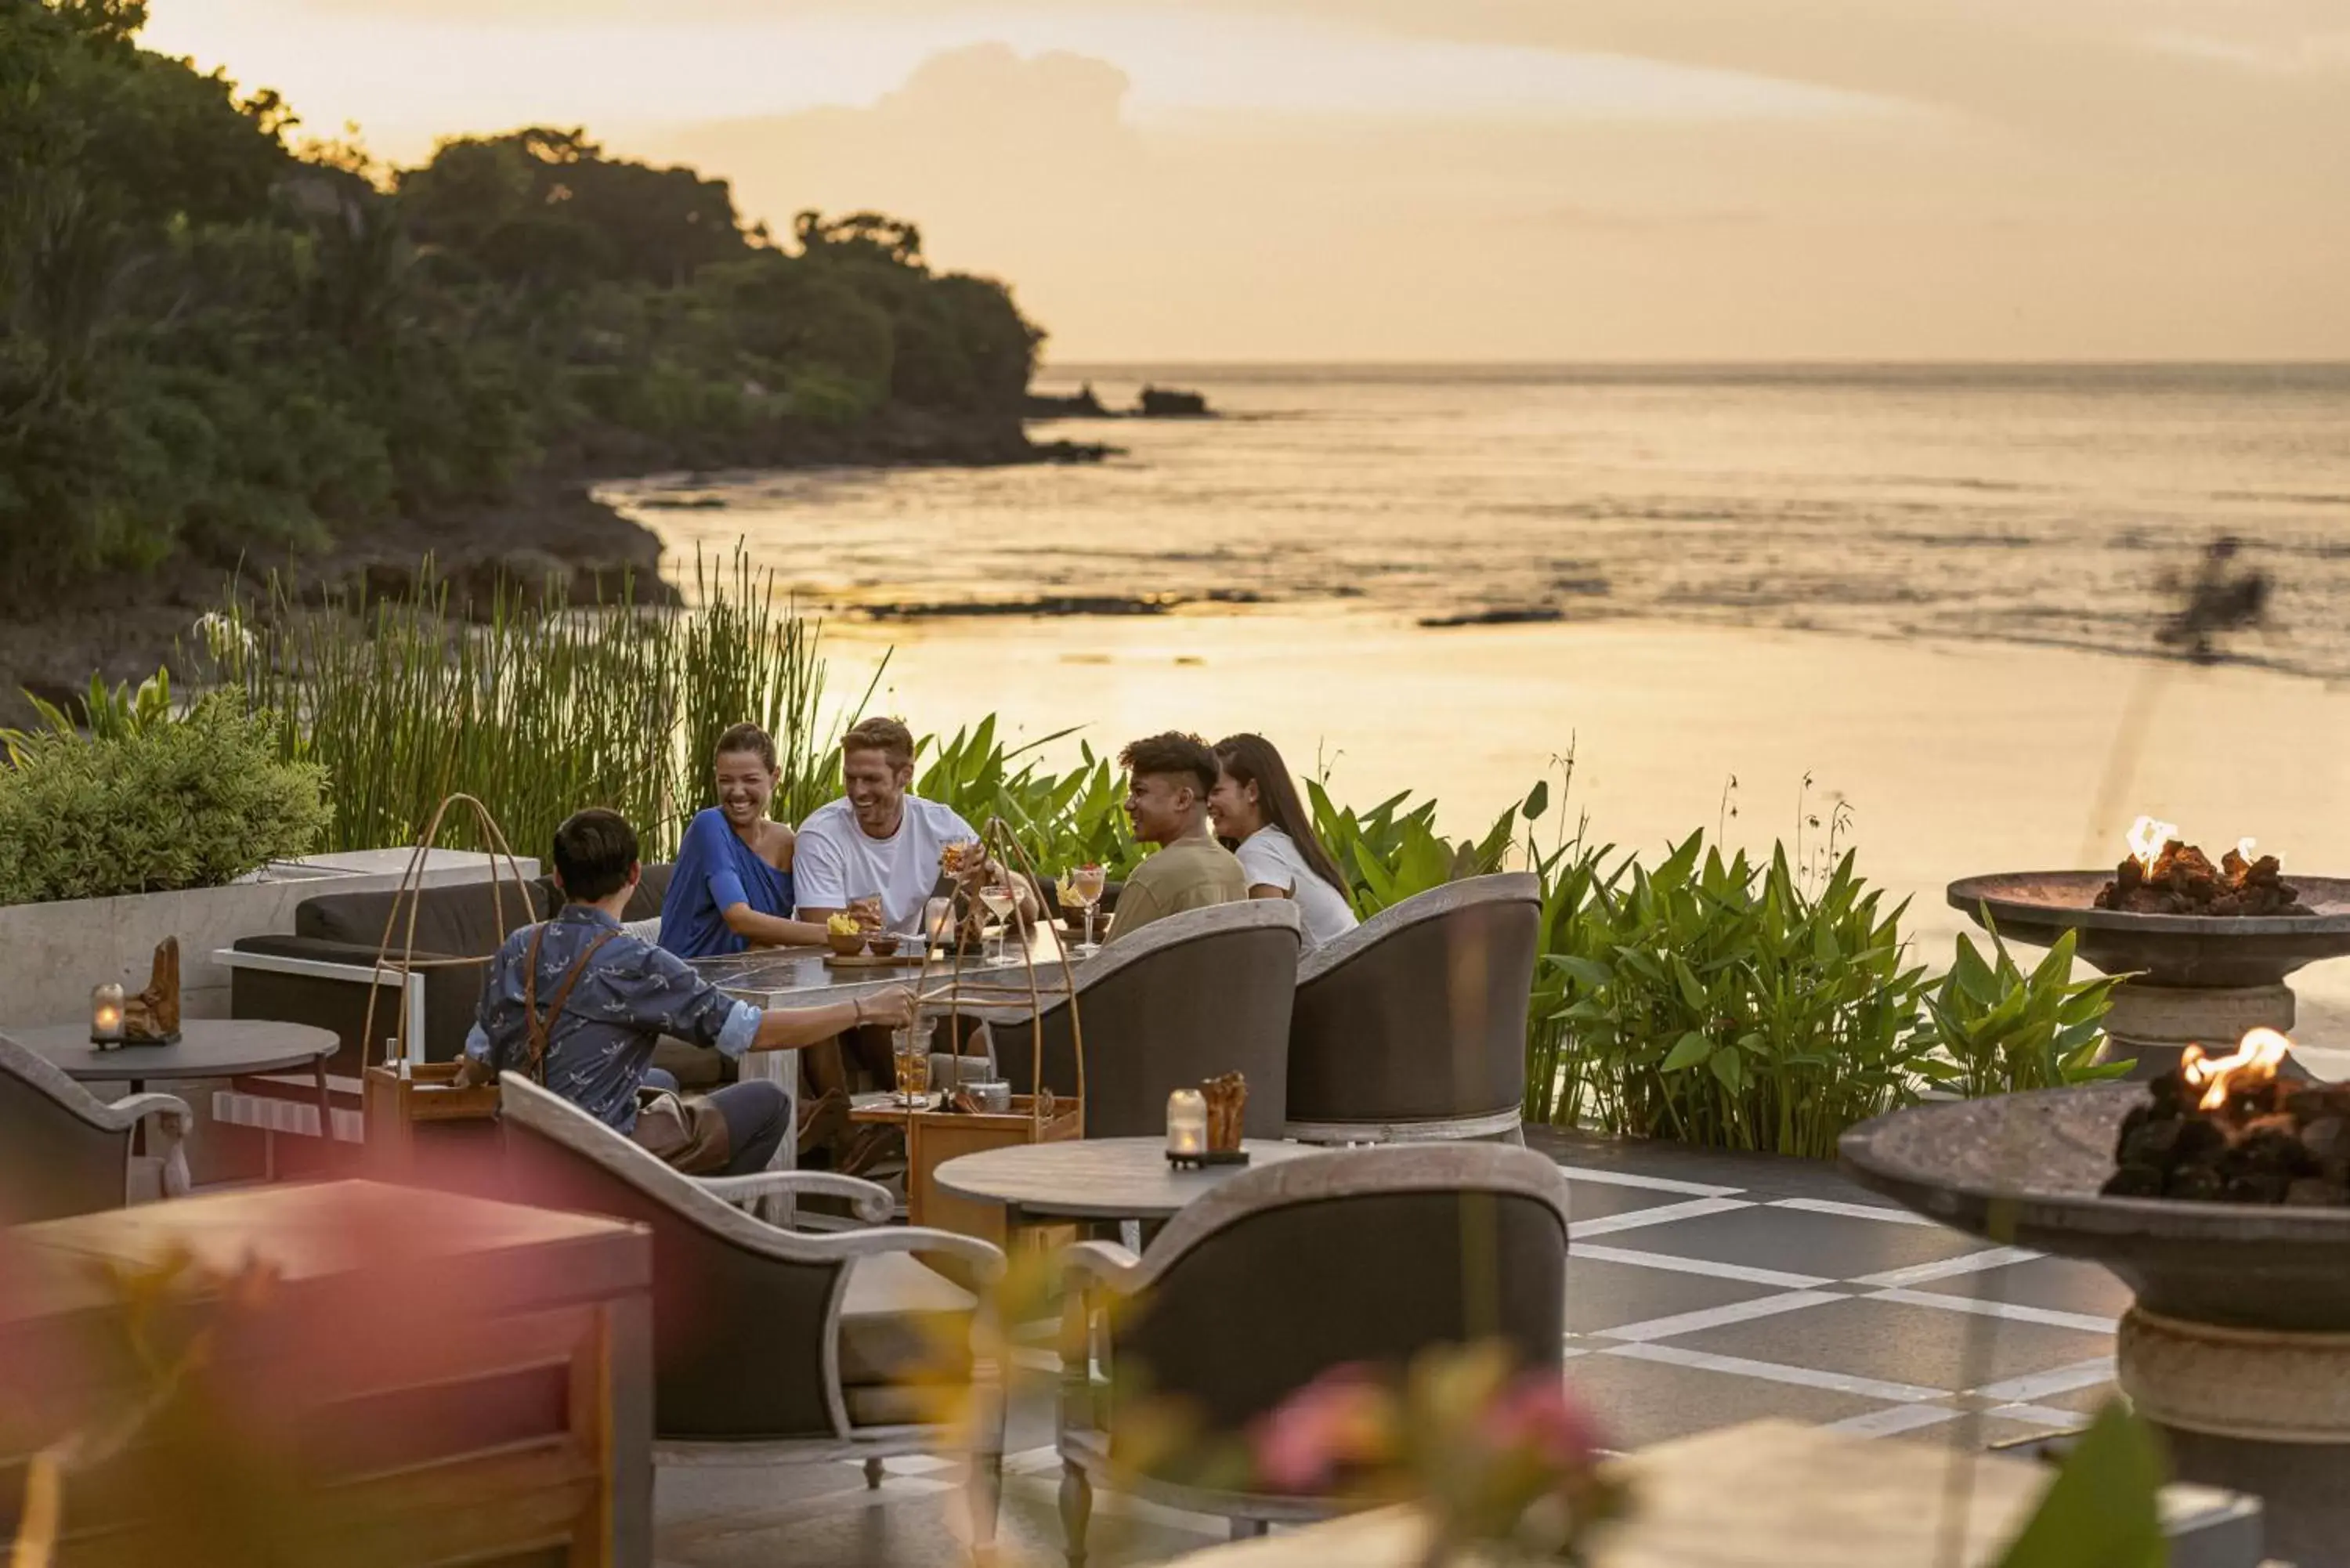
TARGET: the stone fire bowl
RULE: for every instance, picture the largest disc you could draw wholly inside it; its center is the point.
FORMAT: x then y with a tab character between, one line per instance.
2024	1169
2038	907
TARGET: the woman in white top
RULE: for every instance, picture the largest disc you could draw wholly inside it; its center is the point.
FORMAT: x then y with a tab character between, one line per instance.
1257	814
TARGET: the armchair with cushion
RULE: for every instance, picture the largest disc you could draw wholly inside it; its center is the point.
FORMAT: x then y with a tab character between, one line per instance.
321	975
1413	1025
770	1345
63	1151
1355	1257
1190	997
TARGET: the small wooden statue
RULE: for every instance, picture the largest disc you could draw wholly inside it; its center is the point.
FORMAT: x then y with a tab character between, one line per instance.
1227	1098
153	1017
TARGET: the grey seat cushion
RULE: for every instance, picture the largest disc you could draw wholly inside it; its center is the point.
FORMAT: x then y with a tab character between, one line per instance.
904	1329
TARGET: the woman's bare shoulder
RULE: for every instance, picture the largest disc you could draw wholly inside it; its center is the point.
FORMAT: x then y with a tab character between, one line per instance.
780	844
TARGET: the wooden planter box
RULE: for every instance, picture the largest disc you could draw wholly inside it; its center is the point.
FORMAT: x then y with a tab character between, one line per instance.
935	1136
422	1129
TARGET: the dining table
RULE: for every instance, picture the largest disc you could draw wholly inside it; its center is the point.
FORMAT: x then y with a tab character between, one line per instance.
208	1048
813	976
1099	1179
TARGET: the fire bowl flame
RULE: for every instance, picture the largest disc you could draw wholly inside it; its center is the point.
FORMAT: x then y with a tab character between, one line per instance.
2026	1169
2185	950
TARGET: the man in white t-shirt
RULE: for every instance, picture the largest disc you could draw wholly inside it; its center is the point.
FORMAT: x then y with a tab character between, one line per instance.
878	839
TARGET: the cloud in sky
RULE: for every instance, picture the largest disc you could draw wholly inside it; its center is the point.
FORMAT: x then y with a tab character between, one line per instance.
1459	178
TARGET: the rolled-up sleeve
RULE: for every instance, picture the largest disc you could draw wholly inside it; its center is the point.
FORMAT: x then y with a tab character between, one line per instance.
741	1026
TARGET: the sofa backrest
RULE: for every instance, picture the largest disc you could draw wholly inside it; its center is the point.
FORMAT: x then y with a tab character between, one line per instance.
452	922
456	921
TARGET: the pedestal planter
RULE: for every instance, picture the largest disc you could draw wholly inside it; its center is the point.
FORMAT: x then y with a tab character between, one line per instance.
51	954
2196	979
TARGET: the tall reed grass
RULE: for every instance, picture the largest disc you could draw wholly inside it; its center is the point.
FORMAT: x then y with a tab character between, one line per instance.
533	703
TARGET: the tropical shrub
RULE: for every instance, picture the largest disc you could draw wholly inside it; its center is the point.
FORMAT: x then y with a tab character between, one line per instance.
1994	1029
112	715
1392	851
1062	820
1719	1001
191	804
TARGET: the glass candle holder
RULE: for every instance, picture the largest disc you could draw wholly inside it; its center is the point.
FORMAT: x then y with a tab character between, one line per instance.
106	1014
938	921
1187	1123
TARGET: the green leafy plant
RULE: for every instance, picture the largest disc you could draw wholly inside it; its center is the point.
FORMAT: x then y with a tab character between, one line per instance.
1393	851
1992	1029
2103	1509
113	714
1076	817
1719	1001
195	804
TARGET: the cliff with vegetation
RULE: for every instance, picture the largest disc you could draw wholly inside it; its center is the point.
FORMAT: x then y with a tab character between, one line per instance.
220	347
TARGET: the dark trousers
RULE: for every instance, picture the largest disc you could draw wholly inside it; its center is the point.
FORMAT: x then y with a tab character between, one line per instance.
758	1119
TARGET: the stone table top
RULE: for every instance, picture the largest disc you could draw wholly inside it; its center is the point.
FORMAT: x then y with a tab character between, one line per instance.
208	1048
1777	1494
1098	1178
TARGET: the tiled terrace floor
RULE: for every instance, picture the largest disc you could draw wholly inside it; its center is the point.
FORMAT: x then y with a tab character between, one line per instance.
1702	1291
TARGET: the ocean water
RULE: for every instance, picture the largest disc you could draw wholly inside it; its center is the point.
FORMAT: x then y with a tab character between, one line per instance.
2053	505
1912	607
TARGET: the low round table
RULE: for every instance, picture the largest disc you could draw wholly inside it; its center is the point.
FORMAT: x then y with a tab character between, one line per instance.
208	1048
1097	1179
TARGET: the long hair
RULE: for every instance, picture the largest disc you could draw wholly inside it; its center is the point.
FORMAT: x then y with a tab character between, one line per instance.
1251	758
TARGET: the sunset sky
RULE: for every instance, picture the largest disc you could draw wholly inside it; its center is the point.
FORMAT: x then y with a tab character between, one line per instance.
1415	180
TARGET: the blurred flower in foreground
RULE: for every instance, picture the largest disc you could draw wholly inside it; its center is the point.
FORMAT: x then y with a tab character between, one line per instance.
1503	1461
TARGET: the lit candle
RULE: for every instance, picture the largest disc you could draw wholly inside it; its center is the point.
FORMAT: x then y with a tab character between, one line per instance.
106	1014
1187	1123
938	920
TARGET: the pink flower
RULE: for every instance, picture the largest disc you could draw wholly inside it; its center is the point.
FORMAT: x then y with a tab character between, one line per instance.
1341	1419
1536	1413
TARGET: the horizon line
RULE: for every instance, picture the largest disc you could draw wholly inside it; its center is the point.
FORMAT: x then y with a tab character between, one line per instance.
1134	361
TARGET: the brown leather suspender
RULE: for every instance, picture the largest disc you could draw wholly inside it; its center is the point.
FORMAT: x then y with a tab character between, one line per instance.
542	1030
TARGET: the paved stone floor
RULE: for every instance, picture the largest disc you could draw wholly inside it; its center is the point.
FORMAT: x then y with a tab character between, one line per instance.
1702	1290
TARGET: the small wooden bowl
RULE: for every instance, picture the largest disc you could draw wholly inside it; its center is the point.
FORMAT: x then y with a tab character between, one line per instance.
847	944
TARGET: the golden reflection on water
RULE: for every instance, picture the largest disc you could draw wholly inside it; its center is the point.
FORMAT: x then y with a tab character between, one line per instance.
1953	760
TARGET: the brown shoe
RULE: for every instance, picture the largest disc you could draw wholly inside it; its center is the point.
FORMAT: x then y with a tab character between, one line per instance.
869	1147
824	1126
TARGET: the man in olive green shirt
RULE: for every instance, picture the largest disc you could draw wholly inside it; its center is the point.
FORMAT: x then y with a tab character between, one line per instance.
1169	779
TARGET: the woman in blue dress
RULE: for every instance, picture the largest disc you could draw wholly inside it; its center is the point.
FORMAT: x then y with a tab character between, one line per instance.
733	886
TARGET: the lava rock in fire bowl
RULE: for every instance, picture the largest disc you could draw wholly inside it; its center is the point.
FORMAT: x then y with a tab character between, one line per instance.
2228	1130
2183	881
2202	948
2027	1170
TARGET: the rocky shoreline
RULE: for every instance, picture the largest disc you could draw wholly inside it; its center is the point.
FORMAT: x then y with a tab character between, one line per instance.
550	529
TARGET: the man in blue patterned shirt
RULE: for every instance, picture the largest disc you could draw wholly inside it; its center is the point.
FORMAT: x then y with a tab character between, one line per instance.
604	997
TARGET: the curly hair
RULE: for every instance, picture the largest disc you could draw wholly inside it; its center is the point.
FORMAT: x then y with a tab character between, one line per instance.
1174	754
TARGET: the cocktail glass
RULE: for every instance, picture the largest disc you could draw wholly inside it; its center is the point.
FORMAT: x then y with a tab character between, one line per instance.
999	900
1086	891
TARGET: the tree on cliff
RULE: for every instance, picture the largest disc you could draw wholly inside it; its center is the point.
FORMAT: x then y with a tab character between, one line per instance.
210	343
